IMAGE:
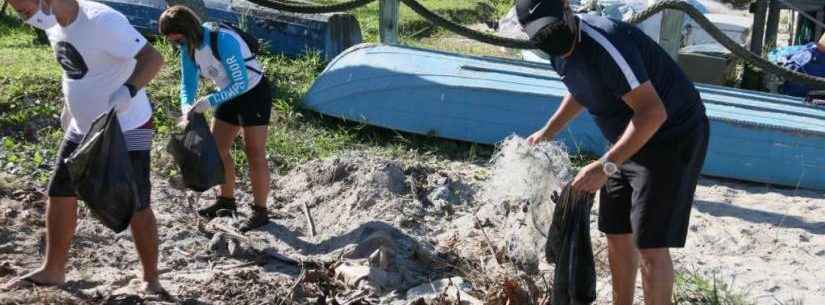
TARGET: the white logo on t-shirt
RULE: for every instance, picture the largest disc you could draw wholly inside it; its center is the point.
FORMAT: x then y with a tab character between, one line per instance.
535	7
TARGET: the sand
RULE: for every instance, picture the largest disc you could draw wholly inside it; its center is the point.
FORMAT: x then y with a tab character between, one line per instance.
393	231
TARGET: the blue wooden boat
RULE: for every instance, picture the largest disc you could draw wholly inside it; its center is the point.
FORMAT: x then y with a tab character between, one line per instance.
755	136
284	33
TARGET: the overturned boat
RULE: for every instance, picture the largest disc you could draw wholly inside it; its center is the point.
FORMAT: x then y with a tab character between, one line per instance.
282	33
755	136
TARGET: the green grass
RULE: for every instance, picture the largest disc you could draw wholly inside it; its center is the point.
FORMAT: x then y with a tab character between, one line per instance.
694	289
30	131
30	78
29	101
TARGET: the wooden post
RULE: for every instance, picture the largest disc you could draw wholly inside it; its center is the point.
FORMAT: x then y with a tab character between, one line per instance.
388	25
670	37
760	10
792	28
772	28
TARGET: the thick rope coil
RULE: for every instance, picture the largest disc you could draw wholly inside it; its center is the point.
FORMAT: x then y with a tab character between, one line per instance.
704	23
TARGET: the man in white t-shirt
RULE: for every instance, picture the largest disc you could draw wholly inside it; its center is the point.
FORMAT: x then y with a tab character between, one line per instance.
106	64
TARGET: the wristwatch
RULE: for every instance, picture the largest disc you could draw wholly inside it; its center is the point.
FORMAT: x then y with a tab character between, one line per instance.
608	167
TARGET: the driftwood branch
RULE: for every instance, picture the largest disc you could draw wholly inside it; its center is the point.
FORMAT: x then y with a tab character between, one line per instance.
310	222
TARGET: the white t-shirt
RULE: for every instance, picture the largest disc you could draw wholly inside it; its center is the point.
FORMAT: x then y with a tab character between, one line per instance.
97	52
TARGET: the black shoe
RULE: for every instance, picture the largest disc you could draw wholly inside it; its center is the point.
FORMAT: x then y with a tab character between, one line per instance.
258	219
221	207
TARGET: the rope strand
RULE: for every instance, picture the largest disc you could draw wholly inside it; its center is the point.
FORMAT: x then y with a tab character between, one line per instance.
432	17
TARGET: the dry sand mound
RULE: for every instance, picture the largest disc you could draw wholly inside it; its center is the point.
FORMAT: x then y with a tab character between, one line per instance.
408	232
385	231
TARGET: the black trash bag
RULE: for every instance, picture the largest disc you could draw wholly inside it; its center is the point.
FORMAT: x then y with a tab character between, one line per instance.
101	173
196	153
569	248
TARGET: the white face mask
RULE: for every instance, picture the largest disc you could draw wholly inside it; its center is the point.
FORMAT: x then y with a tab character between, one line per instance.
41	20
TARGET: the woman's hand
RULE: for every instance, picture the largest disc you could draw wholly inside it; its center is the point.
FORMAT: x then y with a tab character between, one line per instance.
182	122
201	106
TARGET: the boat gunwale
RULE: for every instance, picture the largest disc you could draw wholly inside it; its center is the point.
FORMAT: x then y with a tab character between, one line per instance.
794	130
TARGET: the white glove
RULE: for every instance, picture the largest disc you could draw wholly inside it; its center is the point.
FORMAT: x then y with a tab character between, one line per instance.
65	116
201	106
182	122
121	99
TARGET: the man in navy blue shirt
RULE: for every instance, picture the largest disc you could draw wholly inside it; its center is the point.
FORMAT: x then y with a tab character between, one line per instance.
810	60
653	117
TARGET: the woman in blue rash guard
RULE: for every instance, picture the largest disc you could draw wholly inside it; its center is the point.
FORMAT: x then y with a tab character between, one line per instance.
243	101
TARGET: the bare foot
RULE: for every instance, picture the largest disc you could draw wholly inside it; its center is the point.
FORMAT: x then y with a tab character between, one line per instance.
156	289
153	287
37	278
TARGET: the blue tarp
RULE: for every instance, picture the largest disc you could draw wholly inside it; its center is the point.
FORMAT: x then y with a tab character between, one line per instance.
780	55
806	59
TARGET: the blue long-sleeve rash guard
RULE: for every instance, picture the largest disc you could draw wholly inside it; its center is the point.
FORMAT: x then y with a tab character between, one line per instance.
236	80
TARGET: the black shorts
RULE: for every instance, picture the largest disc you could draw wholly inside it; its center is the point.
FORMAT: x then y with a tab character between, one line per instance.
252	108
61	184
652	194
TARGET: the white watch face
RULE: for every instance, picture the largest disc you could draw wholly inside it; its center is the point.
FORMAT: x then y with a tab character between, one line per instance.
610	168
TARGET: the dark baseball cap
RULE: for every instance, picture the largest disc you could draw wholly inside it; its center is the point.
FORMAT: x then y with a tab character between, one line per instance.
536	14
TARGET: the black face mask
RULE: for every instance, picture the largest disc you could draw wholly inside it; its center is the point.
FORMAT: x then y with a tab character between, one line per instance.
555	40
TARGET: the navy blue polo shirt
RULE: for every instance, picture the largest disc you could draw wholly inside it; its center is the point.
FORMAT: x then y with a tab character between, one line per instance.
611	59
